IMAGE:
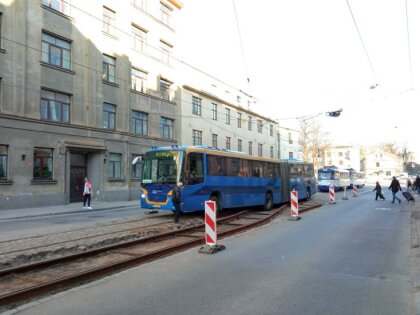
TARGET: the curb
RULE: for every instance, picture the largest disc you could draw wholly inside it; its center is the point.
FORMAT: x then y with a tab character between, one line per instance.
65	212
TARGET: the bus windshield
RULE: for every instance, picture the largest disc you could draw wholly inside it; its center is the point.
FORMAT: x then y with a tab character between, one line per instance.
161	167
324	175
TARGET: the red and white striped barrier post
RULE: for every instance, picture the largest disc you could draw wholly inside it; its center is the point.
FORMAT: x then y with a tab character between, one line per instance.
355	191
211	246
332	194
294	206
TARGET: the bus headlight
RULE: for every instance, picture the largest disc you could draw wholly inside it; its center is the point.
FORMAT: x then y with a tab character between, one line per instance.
143	196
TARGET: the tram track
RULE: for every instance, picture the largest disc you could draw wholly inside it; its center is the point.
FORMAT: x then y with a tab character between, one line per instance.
25	282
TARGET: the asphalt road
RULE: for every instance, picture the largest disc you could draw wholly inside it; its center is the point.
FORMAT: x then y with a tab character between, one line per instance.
348	258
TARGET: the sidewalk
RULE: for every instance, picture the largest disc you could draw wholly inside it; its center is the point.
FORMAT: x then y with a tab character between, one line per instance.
63	209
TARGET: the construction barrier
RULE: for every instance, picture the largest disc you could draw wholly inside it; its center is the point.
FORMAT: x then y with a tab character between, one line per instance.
294	206
332	195
355	191
211	246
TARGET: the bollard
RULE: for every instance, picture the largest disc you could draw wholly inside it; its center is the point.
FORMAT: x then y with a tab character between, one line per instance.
344	194
294	206
355	191
332	195
211	246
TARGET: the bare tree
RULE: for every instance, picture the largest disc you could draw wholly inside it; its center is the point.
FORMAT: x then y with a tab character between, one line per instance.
389	147
312	140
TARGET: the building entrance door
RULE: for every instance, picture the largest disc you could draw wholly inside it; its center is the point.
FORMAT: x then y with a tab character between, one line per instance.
77	176
78	172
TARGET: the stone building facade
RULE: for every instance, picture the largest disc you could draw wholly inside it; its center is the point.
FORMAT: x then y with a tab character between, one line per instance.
85	87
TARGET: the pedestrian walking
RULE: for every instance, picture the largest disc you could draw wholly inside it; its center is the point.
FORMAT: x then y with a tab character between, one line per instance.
409	185
395	187
418	184
379	194
87	193
177	200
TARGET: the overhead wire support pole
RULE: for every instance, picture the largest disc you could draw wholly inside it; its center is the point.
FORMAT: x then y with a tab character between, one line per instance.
363	44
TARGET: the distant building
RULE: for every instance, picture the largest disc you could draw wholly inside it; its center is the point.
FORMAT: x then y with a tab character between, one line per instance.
382	164
342	157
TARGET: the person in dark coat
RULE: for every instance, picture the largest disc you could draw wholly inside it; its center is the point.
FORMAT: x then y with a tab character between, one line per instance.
395	187
177	200
418	184
378	189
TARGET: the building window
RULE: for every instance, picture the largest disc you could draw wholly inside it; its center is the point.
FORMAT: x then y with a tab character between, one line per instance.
214	140
271	152
290	138
1	29
109	69
137	167
197	137
340	154
165	89
43	163
249	123
165	15
238	98
108	21
259	125
227	116
239	145
141	4
139	38
290	155
271	130
196	106
250	147
378	164
3	161
166	50
58	5
109	115
139	123
213	108
227	143
239	120
260	149
55	106
166	128
138	80
56	51
114	165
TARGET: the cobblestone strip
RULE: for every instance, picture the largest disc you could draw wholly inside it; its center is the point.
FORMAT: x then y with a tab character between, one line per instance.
73	241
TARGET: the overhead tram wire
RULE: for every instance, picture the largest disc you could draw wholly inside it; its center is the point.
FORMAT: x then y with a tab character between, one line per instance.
242	46
364	46
409	47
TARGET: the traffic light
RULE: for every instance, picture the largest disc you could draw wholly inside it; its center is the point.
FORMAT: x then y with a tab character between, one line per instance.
335	113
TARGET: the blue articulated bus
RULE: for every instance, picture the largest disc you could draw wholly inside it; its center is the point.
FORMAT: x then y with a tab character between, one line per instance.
232	179
327	176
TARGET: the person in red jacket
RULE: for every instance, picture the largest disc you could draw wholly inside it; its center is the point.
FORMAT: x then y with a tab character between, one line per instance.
87	192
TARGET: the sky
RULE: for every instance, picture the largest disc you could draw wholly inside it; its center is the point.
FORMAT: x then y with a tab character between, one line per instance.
306	57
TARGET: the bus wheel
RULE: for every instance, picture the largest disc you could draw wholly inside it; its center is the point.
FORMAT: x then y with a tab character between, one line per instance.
308	194
217	201
268	203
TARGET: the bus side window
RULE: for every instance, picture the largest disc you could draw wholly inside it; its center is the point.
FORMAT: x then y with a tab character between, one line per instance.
195	168
244	170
